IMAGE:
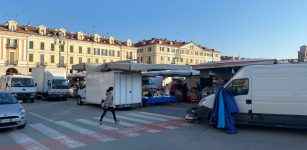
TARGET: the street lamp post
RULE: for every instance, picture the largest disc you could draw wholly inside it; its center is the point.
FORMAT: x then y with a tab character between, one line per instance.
59	40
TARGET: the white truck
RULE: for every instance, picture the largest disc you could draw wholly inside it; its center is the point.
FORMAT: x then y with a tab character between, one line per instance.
267	95
21	86
51	82
126	93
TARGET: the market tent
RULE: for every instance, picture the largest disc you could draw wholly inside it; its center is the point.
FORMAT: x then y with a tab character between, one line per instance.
127	66
234	63
172	73
75	75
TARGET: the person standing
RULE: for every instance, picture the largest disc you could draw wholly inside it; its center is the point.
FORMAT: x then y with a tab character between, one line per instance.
108	105
173	90
184	91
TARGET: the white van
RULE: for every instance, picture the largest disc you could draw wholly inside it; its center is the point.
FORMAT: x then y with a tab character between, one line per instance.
267	95
20	86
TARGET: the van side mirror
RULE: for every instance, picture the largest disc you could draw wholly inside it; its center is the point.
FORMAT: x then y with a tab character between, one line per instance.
35	84
7	84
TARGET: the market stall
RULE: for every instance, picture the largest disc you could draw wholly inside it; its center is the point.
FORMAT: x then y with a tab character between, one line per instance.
172	91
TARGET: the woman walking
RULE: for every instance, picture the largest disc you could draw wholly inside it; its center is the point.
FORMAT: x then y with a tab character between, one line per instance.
108	105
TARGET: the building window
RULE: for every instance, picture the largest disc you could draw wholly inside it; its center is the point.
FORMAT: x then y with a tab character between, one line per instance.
42	46
80	49
149	60
181	59
80	60
168	59
191	61
52	47
168	49
71	49
88	50
149	49
173	50
216	55
98	51
96	61
31	44
30	57
118	53
88	60
52	58
62	48
41	60
71	60
104	61
161	58
62	60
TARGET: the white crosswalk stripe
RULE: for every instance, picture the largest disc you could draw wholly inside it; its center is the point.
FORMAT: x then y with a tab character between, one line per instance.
147	117
159	115
84	131
96	124
134	119
69	142
27	142
122	123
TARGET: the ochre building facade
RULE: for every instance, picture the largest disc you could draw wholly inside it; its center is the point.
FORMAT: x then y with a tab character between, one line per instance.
24	47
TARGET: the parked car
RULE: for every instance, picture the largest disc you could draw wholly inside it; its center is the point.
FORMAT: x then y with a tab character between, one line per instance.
12	113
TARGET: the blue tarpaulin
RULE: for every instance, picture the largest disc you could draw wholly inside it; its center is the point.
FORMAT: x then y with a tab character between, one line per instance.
223	111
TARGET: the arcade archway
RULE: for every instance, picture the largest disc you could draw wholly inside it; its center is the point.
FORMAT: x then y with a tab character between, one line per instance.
11	71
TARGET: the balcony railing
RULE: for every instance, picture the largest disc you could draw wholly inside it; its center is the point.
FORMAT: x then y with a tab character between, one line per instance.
11	62
15	45
41	64
61	65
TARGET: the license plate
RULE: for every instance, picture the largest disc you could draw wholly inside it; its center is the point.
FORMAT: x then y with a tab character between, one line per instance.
15	119
5	120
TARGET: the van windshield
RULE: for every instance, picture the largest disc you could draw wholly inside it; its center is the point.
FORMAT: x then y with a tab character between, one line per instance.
22	82
59	84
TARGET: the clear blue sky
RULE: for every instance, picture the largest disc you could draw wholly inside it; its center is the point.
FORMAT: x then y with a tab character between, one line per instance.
253	29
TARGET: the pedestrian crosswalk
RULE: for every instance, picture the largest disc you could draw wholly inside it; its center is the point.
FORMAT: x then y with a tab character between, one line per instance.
69	132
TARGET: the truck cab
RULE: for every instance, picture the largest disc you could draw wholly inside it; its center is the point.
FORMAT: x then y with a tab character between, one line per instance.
20	86
57	88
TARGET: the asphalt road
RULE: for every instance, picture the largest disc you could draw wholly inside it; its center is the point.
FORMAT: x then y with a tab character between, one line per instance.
65	125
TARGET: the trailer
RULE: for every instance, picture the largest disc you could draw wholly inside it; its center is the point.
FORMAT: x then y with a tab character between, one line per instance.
126	86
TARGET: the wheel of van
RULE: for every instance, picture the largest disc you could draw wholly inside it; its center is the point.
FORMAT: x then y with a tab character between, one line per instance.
22	126
79	101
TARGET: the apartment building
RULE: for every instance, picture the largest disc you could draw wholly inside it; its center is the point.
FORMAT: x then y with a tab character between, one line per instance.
24	46
302	54
163	51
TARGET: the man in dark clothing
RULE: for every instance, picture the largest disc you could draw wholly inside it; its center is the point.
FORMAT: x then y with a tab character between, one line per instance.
184	91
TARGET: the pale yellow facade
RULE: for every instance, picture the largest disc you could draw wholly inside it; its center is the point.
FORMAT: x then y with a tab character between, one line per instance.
187	54
29	50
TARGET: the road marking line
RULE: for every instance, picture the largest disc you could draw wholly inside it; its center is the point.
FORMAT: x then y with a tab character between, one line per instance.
39	116
122	123
159	115
170	127
147	117
69	142
134	119
27	142
96	124
84	131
